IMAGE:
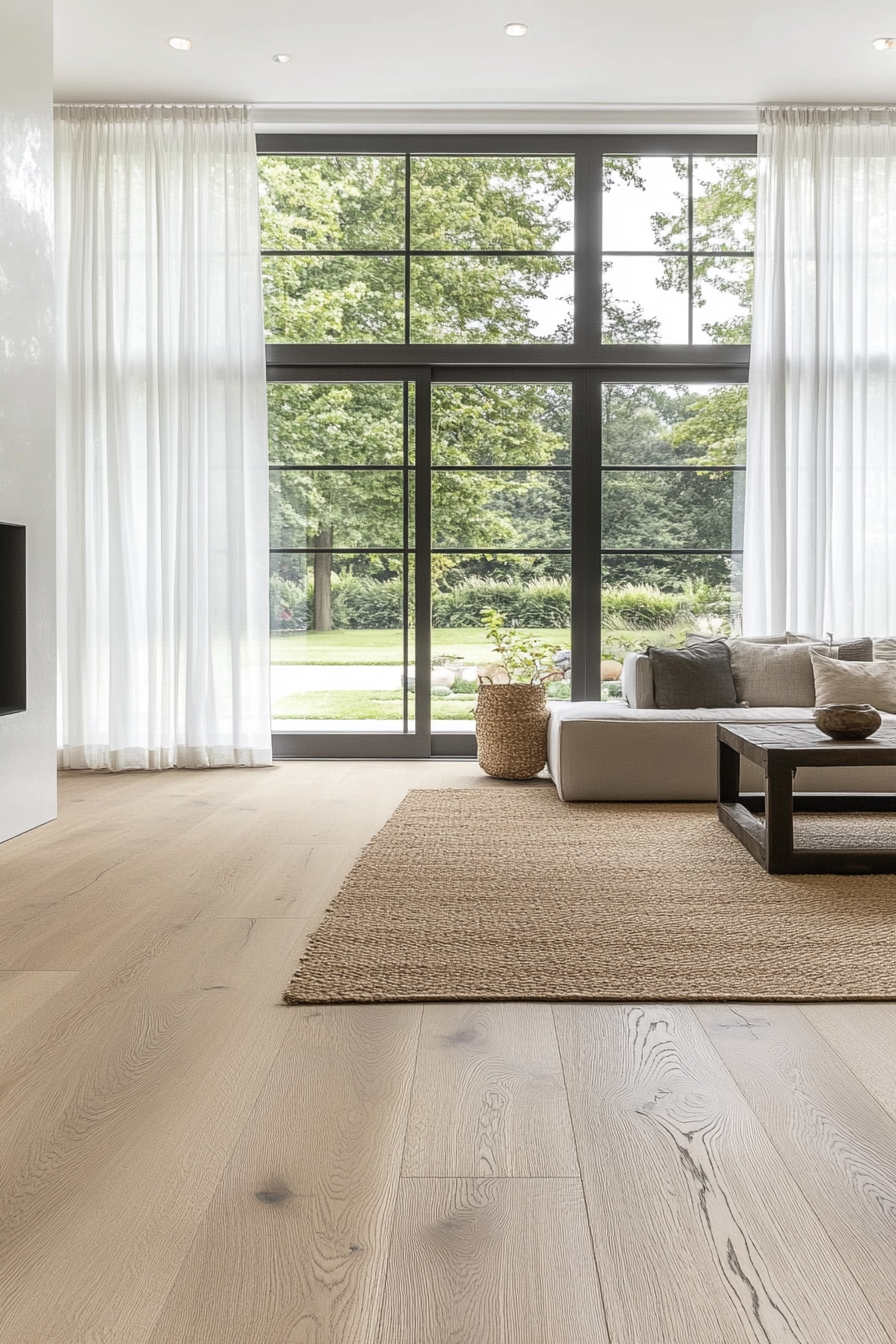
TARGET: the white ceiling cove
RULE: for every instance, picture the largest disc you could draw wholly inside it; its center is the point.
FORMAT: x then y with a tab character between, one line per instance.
407	62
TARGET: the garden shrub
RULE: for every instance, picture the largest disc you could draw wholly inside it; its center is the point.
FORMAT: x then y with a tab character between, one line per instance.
360	602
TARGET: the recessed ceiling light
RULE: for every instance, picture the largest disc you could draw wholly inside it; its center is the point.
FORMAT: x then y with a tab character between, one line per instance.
884	43
516	29
282	58
180	43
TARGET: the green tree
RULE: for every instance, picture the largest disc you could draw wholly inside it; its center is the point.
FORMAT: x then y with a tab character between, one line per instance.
323	203
717	424
724	208
358	203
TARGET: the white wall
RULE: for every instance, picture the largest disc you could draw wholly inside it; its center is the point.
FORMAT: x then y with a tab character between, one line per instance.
27	393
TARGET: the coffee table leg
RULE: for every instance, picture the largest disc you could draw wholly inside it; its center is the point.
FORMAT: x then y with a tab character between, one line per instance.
778	818
729	774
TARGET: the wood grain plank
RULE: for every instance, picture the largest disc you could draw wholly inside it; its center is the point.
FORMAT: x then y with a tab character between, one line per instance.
492	1262
296	880
701	1234
201	868
864	1036
103	852
489	1097
23	992
118	1112
835	1140
293	1247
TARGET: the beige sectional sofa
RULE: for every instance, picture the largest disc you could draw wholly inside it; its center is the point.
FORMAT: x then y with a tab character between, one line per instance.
626	750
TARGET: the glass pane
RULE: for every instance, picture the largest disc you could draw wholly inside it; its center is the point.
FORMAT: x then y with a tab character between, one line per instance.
657	599
723	300
724	204
511	203
500	508
533	595
501	424
337	424
670	508
645	203
331	201
658	423
491	300
337	643
340	299
337	508
645	301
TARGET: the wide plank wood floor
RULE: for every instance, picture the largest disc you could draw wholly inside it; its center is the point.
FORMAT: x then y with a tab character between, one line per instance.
183	1160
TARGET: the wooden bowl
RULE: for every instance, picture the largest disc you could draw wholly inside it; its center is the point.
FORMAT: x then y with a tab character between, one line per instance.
847	722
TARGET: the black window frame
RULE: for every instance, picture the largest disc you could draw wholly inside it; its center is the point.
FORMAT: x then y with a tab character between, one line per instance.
585	362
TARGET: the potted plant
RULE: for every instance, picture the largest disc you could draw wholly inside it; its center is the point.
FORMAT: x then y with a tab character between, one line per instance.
511	712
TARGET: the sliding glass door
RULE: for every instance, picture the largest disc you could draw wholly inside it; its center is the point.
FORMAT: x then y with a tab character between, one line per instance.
501	539
342	463
402	515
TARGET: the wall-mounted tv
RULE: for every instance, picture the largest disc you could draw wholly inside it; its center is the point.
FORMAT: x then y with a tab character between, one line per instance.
13	664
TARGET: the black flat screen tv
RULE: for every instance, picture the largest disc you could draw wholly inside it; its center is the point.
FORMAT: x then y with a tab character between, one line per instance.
13	664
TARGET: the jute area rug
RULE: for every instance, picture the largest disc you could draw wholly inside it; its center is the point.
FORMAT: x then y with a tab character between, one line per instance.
508	893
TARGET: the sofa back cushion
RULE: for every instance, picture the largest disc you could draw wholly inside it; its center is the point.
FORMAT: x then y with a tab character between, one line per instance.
847	650
774	674
693	678
637	681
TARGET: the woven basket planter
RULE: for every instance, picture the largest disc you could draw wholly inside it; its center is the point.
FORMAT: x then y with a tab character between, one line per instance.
512	730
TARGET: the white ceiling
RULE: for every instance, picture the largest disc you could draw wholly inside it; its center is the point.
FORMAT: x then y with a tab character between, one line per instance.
701	61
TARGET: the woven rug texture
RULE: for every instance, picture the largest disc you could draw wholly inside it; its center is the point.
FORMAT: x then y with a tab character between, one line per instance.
508	893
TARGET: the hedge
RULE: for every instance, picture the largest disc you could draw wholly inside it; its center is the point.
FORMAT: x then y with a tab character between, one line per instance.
363	603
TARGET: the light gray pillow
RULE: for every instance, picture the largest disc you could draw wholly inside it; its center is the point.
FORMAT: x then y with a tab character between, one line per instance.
885	648
839	683
774	674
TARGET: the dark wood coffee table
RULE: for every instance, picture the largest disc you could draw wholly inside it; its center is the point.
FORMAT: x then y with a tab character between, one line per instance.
779	749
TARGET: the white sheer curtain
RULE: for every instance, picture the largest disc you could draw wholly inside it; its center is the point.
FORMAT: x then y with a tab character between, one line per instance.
820	517
163	607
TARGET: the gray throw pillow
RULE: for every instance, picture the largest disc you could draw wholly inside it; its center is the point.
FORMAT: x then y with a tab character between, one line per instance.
695	678
847	650
856	651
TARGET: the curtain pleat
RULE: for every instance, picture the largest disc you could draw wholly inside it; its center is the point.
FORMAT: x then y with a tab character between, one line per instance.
162	441
820	511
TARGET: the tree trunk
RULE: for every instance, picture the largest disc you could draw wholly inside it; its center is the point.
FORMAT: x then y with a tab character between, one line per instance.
323	571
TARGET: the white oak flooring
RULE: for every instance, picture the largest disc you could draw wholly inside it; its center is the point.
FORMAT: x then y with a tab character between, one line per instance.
183	1159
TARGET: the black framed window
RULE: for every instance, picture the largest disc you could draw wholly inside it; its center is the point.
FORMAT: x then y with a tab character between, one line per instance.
418	248
612	274
672	475
677	248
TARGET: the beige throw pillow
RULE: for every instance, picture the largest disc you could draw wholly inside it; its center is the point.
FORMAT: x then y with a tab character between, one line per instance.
773	674
839	683
885	648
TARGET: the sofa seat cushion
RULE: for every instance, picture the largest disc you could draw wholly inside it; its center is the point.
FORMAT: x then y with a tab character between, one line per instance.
607	709
604	751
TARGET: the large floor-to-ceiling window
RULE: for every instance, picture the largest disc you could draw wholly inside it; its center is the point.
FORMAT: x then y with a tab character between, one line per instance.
507	376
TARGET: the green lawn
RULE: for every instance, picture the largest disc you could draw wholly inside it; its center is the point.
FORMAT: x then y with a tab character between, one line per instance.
385	705
379	705
383	648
